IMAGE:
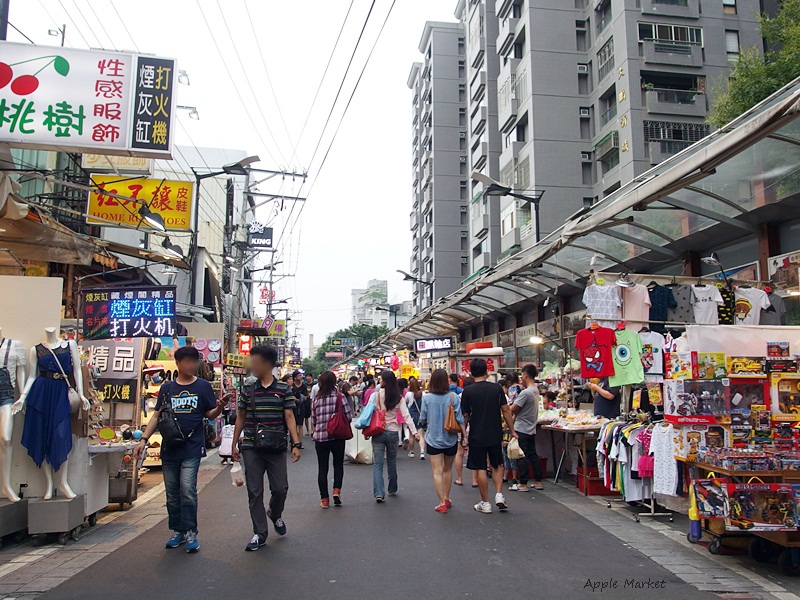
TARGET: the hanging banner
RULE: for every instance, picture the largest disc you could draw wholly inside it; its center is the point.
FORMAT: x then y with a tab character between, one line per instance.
170	199
128	312
70	100
118	366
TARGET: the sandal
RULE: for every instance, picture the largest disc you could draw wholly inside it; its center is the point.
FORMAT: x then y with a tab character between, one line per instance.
460	483
538	486
514	488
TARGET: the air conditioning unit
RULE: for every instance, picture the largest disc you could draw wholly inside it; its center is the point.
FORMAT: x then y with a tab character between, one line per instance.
463	210
464	234
462	134
583	68
464	260
585	156
585	112
463	159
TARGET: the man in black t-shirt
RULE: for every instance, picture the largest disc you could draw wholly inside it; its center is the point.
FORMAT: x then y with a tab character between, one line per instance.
485	407
192	400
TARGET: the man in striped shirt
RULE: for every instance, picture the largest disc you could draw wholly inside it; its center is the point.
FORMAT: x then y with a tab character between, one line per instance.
268	403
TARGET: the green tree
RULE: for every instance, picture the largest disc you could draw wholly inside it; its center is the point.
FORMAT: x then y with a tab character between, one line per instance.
364	333
757	75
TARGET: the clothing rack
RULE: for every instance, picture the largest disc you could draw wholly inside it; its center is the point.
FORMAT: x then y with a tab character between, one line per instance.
644	278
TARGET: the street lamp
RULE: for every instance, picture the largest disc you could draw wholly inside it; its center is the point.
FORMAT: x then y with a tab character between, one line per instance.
495	188
393	309
410	277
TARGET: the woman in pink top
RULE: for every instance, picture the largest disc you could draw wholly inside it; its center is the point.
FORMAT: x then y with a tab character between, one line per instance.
384	446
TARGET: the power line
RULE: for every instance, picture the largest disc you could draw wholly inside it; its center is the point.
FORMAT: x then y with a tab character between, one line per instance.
80	33
324	74
58	24
123	24
15	28
269	79
102	25
233	84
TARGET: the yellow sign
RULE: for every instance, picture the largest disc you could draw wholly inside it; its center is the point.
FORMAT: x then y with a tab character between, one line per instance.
237	360
407	371
170	199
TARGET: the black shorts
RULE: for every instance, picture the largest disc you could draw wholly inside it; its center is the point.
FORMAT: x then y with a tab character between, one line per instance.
451	451
479	457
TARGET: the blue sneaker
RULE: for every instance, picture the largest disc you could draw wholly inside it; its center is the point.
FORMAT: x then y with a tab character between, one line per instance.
192	545
176	540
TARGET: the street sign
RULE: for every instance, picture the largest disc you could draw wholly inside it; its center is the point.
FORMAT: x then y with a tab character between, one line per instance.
336	342
437	344
349	342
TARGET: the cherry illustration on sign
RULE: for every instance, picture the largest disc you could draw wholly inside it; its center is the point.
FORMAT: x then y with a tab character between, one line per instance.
26	84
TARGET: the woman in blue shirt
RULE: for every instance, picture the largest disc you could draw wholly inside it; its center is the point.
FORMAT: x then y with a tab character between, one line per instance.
441	444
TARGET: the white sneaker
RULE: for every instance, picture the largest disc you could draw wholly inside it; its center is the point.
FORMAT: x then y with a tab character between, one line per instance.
411	455
500	502
483	507
422	456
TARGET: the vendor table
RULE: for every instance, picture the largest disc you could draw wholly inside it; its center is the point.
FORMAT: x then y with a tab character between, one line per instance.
586	433
121	485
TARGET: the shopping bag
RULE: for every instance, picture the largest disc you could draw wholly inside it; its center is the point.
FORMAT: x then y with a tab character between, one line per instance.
338	425
366	415
237	475
358	450
712	498
513	450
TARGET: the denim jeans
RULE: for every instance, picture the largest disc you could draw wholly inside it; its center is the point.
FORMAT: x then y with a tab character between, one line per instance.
180	483
384	447
527	444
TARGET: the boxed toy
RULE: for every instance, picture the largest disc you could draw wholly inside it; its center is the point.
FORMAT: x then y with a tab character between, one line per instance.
782	366
741	427
778	350
712	498
746	366
688	402
711	365
785	392
746	392
680	365
761	507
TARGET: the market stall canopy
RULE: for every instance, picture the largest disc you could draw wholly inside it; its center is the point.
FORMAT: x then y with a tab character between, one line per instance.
709	194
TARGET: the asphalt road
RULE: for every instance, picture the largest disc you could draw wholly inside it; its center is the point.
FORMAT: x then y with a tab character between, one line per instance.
398	550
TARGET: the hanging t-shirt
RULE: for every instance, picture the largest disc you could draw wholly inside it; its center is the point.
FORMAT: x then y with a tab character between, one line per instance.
776	313
661	301
665	468
749	304
682	313
595	347
652	355
627	359
706	300
602	304
635	306
725	310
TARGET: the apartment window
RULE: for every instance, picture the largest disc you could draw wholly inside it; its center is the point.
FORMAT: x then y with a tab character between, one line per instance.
670	33
588	202
428	216
603	15
462	69
508	221
462	116
672	2
462	92
519	49
461	46
610	161
463	166
674	137
605	59
429	266
729	7
463	191
429	242
462	143
732	44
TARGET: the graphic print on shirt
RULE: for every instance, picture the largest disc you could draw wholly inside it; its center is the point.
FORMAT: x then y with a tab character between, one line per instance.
648	359
593	358
184	403
742	309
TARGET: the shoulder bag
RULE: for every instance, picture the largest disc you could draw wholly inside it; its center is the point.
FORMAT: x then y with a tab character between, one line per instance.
264	438
72	394
168	425
338	425
377	424
451	424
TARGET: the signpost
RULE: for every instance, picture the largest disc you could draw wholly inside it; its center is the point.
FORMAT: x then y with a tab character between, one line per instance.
128	312
86	100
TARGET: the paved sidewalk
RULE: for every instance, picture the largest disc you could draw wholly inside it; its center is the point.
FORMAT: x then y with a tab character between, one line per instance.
26	571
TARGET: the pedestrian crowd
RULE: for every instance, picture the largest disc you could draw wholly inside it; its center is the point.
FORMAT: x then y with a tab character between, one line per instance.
490	424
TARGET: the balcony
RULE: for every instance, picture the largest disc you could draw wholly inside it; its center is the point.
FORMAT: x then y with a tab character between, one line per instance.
661	150
507	100
681	54
480	225
478	120
608	115
607	145
505	39
672	8
510	240
414	220
479	155
527	231
482	261
427	170
686	103
511	152
478	86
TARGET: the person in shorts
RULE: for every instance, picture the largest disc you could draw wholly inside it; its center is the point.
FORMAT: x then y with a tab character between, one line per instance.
484	407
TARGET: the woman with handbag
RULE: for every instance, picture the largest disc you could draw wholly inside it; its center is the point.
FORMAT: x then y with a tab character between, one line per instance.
385	433
442	421
414	403
331	413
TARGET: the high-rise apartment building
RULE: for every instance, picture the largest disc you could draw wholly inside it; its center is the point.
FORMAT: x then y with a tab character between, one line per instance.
592	94
440	172
364	302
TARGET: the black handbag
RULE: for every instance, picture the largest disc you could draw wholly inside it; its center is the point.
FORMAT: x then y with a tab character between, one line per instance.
266	439
168	425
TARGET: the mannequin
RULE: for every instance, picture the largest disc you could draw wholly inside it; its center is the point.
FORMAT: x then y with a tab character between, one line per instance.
54	342
16	367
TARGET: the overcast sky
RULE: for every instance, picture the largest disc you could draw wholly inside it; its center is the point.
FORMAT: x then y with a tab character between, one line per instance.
355	223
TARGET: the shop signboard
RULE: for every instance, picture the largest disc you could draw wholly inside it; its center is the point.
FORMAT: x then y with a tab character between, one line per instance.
259	237
334	355
172	200
66	99
524	334
492	339
437	344
265	295
506	339
295	355
118	165
118	366
549	329
783	270
266	326
133	312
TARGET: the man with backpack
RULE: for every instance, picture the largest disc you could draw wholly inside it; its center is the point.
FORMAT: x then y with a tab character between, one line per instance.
182	406
265	414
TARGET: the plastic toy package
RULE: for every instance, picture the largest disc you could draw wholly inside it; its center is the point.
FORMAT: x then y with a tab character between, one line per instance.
761	507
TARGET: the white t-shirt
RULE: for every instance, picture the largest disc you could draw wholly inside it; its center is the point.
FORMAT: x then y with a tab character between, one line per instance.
602	304
652	355
749	304
635	306
705	302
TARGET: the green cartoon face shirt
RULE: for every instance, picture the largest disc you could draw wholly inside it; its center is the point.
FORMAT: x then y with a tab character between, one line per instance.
627	355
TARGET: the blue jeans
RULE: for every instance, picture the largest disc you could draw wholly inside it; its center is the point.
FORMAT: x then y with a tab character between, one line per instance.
180	482
384	445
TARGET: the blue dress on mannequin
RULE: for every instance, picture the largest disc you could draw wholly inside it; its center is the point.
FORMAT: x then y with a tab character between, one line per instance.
47	433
